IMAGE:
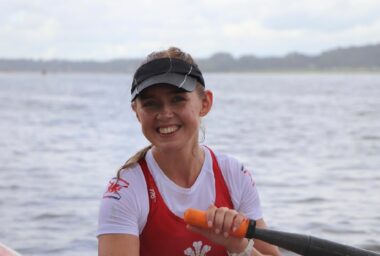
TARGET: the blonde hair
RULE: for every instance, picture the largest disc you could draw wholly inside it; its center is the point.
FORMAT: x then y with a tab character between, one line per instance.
171	52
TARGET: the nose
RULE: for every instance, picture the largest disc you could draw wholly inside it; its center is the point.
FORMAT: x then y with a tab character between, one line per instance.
165	112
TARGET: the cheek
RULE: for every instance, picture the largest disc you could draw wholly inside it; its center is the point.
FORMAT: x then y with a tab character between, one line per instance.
143	118
146	125
193	115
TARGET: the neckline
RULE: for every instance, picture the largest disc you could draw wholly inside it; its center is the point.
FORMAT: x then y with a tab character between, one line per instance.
157	171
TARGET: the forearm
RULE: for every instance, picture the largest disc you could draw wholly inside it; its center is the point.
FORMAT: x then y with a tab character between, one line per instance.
257	253
118	245
246	248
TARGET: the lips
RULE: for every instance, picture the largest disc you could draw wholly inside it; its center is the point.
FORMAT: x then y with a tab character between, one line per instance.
168	129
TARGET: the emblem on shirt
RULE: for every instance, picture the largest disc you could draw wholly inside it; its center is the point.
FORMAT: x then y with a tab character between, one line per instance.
248	173
197	249
114	187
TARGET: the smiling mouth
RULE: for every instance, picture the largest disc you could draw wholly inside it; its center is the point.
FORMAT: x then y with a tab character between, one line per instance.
168	130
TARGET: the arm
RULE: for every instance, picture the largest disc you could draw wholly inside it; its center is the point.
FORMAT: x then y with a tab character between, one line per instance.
122	213
263	247
118	245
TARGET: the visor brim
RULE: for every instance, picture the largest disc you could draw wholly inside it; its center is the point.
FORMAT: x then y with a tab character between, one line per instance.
185	82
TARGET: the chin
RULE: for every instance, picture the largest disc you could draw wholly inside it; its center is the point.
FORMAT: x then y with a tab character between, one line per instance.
168	146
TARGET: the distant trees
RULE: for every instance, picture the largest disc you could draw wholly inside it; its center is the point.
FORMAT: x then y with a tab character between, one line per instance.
353	58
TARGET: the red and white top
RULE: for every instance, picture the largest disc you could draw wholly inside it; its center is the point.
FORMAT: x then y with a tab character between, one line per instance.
146	203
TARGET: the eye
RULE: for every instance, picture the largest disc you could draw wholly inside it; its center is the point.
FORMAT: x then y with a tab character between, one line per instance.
178	98
150	104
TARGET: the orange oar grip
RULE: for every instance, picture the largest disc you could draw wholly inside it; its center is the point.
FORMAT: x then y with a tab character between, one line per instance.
198	218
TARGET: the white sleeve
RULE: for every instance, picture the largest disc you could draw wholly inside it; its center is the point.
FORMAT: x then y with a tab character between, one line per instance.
124	206
242	186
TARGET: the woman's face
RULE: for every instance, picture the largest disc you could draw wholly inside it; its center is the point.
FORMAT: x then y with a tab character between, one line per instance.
169	116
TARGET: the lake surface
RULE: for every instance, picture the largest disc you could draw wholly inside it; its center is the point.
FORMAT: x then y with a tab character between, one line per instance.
312	142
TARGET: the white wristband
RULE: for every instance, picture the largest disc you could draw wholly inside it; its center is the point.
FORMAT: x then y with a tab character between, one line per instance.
247	251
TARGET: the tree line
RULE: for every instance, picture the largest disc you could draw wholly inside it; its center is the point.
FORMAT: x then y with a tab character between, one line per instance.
349	58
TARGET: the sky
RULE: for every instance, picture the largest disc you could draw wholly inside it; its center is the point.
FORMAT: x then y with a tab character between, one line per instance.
114	29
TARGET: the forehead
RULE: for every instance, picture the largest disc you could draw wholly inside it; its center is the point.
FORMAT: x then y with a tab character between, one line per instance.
160	90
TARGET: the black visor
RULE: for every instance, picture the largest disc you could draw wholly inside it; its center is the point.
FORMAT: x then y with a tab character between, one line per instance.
171	71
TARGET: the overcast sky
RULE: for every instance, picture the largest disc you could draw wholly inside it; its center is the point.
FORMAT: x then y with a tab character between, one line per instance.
102	30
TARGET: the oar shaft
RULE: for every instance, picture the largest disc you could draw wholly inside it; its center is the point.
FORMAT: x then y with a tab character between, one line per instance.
301	244
308	245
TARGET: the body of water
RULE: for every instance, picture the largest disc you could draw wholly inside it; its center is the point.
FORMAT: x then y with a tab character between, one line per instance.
312	142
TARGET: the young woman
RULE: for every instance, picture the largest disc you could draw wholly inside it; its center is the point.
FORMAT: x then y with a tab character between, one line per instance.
142	211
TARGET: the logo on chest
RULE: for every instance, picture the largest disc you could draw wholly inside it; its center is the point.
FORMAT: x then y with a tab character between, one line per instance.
198	249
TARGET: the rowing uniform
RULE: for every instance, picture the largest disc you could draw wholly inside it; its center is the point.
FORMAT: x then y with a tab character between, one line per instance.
146	203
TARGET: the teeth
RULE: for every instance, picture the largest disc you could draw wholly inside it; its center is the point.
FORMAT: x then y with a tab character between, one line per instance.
166	130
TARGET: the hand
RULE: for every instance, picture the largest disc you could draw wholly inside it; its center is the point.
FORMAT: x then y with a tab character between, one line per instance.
222	222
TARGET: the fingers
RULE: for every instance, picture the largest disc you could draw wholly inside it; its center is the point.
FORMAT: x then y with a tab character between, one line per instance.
210	213
223	220
239	219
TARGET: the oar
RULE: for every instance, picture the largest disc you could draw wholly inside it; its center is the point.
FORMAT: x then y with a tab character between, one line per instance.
300	244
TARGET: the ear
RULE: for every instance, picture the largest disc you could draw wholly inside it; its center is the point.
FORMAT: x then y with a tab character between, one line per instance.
134	108
206	103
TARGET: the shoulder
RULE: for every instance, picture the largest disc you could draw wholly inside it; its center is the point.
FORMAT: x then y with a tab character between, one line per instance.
235	172
132	172
130	180
125	204
228	164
